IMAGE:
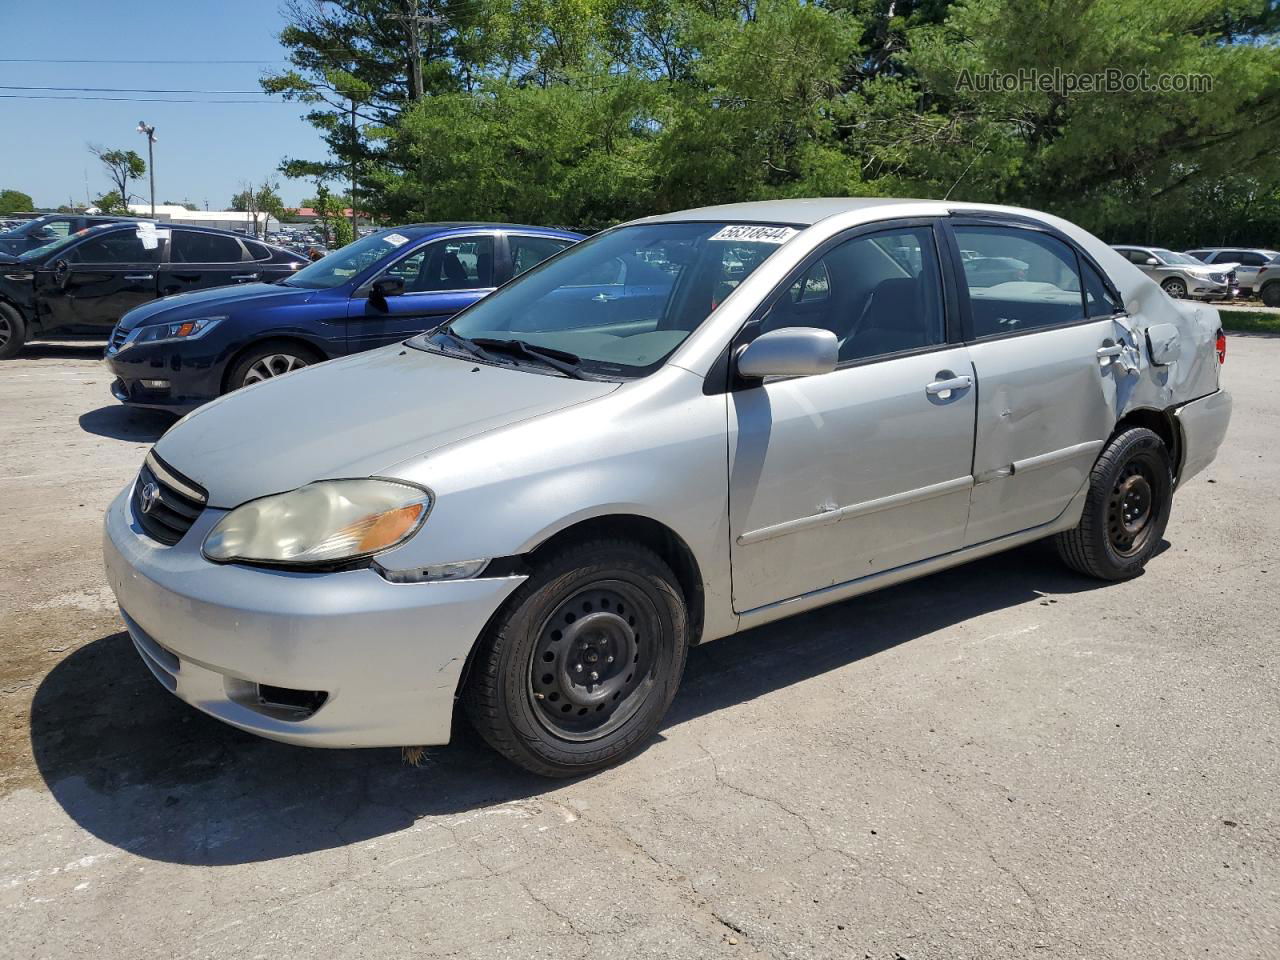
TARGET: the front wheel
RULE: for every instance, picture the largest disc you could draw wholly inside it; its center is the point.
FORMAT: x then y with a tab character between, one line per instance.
269	360
1175	288
1126	510
13	332
580	665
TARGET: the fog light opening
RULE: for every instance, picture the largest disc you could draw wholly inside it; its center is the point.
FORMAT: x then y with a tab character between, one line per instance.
156	384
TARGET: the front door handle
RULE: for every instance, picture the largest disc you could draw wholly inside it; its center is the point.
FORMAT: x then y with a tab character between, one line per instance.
139	276
244	276
603	298
1112	351
944	389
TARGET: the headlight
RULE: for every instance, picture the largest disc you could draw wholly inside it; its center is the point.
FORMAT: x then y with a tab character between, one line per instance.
164	332
1218	277
321	523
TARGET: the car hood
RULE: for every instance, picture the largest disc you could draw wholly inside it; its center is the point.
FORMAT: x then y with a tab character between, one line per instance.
9	252
354	417
202	303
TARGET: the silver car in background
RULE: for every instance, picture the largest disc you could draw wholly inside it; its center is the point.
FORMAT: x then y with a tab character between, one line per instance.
684	427
1246	262
1182	276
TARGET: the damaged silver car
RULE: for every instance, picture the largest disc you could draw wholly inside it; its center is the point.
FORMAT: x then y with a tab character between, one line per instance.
681	428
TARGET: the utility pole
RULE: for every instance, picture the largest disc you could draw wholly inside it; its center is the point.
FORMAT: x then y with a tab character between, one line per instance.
414	22
355	232
150	131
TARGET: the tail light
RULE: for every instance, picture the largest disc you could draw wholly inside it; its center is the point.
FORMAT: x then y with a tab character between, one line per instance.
1221	347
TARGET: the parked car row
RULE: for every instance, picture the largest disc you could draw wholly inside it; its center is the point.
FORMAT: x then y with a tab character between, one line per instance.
678	429
1210	273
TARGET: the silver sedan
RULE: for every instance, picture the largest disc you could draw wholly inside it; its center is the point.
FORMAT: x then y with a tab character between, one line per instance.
684	427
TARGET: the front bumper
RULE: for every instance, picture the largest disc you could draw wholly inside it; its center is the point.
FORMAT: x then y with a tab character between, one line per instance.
226	638
190	383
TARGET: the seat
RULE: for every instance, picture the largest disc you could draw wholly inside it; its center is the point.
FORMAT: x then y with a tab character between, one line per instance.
893	318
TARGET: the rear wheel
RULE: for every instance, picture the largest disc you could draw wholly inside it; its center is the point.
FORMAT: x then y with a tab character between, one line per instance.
269	360
1175	287
580	665
13	331
1271	294
1127	508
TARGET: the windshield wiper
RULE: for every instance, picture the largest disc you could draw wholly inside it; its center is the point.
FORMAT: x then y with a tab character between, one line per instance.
472	347
562	360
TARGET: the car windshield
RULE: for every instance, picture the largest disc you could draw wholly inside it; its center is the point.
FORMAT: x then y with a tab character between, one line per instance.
20	229
1168	256
341	265
622	302
39	253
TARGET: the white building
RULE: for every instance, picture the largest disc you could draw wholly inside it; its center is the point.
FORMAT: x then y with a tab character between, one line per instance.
219	219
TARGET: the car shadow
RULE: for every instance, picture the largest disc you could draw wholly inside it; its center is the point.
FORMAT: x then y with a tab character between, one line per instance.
126	423
64	350
142	771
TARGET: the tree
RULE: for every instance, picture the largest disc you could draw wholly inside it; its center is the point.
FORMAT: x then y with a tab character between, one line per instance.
111	202
14	200
121	166
263	201
329	209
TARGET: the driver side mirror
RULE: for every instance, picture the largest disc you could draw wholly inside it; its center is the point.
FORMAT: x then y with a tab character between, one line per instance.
385	287
1152	262
789	352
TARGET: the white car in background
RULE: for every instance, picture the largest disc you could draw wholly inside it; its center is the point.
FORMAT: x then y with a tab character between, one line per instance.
1248	262
1181	276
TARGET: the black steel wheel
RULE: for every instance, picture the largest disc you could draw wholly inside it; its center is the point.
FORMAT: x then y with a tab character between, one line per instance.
1126	510
583	660
13	331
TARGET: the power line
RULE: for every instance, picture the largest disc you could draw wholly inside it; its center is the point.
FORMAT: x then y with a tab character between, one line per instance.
36	96
5	86
51	60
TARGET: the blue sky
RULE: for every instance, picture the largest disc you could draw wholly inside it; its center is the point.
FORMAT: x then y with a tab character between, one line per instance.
204	151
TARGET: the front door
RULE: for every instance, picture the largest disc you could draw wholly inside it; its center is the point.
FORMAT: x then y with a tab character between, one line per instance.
94	283
1046	351
839	476
440	278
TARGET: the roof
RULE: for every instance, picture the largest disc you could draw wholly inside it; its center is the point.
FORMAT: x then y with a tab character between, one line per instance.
176	212
805	212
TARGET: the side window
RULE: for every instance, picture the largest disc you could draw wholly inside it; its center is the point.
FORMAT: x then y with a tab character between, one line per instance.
1204	255
612	272
1022	280
1139	257
1250	259
257	251
119	246
878	293
528	252
188	246
1098	299
465	263
57	228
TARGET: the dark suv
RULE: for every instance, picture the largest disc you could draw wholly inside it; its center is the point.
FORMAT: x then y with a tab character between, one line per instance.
50	227
84	283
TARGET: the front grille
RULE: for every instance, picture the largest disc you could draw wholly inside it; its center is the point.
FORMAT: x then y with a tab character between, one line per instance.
118	336
165	503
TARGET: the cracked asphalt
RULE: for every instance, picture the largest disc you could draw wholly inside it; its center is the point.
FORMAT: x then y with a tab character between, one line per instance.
1003	760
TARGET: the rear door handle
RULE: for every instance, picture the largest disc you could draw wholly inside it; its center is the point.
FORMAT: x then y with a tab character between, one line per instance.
139	276
942	389
244	276
603	298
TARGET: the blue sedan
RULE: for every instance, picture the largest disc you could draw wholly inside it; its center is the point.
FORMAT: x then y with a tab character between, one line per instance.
180	352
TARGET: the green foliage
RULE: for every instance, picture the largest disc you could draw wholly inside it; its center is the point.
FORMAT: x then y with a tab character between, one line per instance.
14	200
121	166
111	202
343	232
585	112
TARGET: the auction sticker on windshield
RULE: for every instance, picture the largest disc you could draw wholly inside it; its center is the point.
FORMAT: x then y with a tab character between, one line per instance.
755	233
395	239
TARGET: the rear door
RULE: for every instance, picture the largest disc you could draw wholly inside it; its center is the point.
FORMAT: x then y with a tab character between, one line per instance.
92	284
1249	262
1044	349
270	264
440	278
198	260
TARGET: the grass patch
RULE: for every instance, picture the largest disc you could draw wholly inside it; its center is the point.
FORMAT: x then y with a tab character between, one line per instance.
1247	321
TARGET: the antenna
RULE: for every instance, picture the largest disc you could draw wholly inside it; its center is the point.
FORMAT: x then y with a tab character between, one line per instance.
965	171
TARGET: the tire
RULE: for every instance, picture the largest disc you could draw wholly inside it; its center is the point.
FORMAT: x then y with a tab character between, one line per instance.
1175	287
1271	294
280	356
606	605
13	332
1126	510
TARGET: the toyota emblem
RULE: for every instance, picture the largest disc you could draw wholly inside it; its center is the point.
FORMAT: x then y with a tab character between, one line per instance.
150	494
